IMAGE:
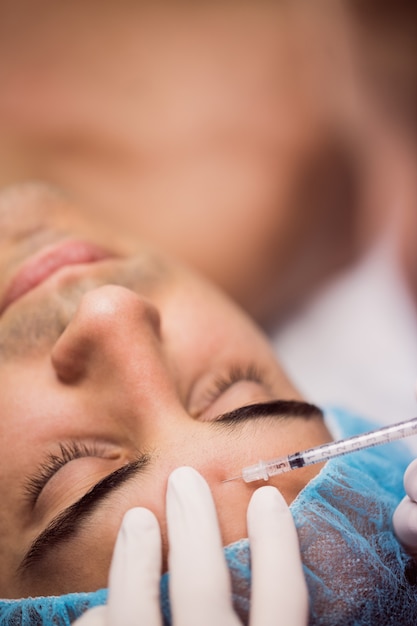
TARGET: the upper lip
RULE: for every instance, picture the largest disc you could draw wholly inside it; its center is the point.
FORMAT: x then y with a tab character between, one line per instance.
41	265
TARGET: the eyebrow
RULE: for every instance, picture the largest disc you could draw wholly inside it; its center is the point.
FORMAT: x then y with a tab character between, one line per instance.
285	409
68	521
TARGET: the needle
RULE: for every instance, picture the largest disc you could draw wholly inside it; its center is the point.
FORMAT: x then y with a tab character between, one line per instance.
226	480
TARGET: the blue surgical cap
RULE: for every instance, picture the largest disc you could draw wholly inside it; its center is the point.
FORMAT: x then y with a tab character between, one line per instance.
356	572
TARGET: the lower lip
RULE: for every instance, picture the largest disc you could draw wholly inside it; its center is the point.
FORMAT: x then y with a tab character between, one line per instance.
44	264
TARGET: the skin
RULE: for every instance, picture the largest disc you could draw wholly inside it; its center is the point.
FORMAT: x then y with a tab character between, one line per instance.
122	355
267	161
230	156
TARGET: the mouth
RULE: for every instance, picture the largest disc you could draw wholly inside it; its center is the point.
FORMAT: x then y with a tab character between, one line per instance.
41	266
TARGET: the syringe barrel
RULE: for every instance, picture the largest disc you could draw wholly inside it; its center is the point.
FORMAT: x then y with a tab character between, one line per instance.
264	469
358	442
255	472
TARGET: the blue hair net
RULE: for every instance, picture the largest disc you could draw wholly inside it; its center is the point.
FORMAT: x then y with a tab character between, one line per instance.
356	572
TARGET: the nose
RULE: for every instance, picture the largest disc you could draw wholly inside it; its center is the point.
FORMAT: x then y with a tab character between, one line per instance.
102	331
113	341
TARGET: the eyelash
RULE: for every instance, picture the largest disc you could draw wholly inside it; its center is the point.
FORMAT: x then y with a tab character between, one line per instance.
54	462
76	450
235	374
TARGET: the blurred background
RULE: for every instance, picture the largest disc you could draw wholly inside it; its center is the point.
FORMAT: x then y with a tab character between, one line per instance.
269	144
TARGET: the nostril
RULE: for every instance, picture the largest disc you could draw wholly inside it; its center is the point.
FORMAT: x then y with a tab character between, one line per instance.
69	357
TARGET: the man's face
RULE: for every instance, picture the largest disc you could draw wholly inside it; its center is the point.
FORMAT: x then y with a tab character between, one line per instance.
116	366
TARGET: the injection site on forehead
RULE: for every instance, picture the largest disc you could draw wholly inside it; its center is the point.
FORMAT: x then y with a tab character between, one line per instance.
71	526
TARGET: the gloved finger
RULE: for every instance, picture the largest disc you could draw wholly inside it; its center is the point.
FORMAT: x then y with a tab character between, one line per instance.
279	590
200	589
96	616
410	480
135	571
405	525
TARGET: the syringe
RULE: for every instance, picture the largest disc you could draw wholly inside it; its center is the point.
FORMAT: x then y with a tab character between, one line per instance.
265	469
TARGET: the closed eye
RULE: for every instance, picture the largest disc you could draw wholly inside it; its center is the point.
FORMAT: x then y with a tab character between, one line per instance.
235	374
236	386
54	462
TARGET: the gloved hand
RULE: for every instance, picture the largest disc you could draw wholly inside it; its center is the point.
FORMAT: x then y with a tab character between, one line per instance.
405	515
200	590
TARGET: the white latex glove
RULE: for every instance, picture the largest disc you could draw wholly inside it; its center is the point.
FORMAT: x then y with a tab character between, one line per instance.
200	589
405	515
